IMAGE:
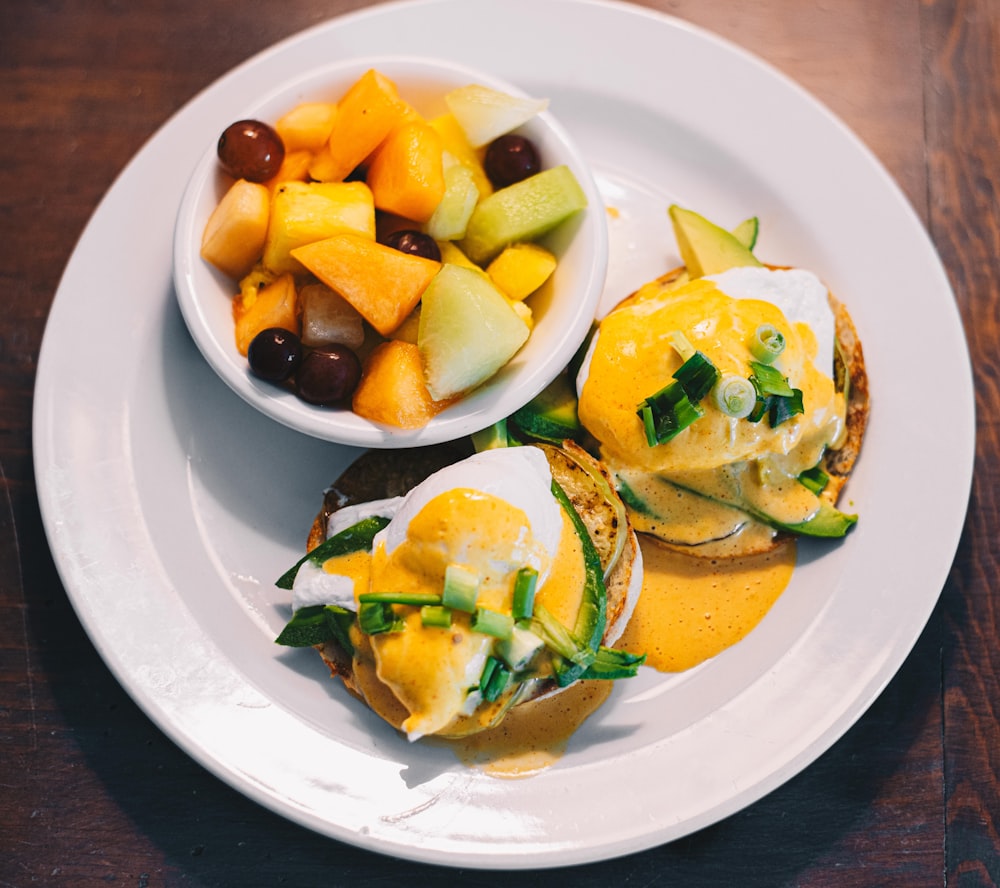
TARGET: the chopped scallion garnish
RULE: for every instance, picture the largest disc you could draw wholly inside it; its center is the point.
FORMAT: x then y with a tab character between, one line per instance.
417	599
494	679
524	593
461	588
675	406
735	396
767	343
377	617
769	380
775	396
682	345
436	616
815	479
491	622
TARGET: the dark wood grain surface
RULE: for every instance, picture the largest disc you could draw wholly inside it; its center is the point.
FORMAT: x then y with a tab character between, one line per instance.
92	793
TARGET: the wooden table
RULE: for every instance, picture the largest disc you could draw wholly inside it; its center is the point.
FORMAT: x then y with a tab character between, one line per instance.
93	793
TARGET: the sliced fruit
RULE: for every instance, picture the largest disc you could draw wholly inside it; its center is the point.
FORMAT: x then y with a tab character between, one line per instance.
485	113
523	211
294	168
307	126
746	232
406	174
328	318
235	232
451	253
456	144
304	212
521	269
366	114
468	331
383	284
449	220
705	247
275	305
392	389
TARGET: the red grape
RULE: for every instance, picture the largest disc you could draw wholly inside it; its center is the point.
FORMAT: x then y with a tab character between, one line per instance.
410	240
510	159
274	354
328	375
251	150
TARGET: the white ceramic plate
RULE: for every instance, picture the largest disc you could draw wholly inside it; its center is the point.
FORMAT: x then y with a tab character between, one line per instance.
172	506
563	311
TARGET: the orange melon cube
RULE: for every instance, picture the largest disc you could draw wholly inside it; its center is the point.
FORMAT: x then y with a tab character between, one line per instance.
383	284
406	175
275	305
366	114
294	168
392	389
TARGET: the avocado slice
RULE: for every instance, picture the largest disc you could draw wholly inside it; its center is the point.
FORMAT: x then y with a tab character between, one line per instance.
551	415
708	249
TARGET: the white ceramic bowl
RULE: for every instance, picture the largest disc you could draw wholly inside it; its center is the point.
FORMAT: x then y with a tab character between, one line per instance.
563	310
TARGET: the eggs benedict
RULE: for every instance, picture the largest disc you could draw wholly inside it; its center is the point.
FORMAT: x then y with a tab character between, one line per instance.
475	585
728	400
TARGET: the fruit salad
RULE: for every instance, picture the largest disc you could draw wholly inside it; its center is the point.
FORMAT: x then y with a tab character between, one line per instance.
382	260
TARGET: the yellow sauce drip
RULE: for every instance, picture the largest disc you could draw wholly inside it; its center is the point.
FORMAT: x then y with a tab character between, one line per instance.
694	608
534	735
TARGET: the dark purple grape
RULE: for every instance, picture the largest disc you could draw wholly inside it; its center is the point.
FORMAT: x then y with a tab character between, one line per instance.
274	354
328	375
510	159
409	240
249	149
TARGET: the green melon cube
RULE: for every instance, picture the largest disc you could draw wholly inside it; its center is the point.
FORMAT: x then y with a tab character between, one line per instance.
467	331
523	211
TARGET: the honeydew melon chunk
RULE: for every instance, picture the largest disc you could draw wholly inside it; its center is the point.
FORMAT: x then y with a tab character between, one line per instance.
452	214
467	332
485	113
705	247
523	211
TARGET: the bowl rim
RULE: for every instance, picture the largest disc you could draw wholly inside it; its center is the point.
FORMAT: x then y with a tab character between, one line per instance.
495	399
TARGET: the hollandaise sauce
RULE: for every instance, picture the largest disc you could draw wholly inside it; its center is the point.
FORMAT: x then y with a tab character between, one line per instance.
694	608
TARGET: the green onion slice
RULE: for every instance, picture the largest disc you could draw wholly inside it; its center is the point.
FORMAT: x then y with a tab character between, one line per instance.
491	622
767	343
435	616
735	396
667	413
377	617
814	479
417	599
769	381
682	345
524	593
461	588
696	376
494	679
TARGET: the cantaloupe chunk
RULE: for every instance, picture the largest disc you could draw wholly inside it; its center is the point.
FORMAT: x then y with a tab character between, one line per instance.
272	306
307	126
454	140
303	212
383	284
406	174
235	232
366	114
392	389
294	168
521	269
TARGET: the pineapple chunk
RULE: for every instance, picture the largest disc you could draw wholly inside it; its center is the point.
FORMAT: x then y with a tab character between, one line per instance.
468	331
294	168
235	232
383	284
328	318
451	253
307	126
521	269
485	113
275	305
392	389
305	212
